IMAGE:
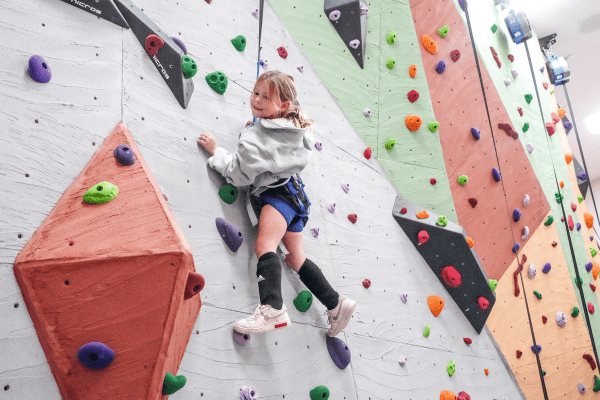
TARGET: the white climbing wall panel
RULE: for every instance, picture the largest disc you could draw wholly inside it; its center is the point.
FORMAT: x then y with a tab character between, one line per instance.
101	75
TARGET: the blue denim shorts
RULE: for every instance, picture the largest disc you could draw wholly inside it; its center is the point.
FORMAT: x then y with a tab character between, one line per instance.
289	199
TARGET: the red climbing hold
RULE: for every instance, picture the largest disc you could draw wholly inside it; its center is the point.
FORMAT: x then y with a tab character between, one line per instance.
463	396
545	85
573	207
519	353
550	128
455	55
509	130
544	319
368	153
451	276
473	202
403	211
590	359
511	58
496	58
432	181
367	283
153	44
423	237
520	110
591	308
282	52
593	287
467	340
571	224
353	218
483	303
208	1
413	96
554	244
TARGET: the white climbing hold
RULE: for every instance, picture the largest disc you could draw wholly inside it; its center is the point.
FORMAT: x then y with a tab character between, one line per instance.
335	15
300	68
331	207
364	10
315	231
507	82
164	192
255	12
354	43
402	360
514	73
529	148
526	200
525	233
345	187
367	112
532	271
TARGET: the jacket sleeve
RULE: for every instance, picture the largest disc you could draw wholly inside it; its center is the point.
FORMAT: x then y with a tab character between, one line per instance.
243	166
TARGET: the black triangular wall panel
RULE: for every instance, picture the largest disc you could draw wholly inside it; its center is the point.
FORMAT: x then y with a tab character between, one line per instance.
101	8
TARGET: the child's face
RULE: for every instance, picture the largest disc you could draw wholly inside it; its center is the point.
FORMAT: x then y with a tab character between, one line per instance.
265	104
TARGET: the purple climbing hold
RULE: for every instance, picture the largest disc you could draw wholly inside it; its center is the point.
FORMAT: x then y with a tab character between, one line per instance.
124	155
516	215
581	387
542	68
319	146
568	125
476	134
561	319
364	10
263	63
536	349
578	226
248	393
592	238
331	207
582	176
354	43
345	187
241	338
39	70
95	355
230	234
179	43
497	175
339	352
546	268
516	247
335	15
404	297
441	67
300	68
589	266
529	148
315	231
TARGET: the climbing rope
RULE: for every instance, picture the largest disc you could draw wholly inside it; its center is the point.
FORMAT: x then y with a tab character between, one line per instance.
537	356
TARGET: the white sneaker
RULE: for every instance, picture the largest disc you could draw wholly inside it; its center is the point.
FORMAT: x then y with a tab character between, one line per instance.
339	317
265	319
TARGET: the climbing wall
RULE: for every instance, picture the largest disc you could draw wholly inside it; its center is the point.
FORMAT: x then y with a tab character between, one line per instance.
101	75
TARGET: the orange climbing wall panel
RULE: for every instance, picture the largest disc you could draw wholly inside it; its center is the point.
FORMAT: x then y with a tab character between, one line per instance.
113	273
458	105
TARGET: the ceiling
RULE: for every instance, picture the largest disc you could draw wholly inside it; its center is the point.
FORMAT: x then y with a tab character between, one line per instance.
577	25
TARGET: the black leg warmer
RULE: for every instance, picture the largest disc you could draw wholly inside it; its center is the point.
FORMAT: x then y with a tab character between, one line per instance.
316	282
268	272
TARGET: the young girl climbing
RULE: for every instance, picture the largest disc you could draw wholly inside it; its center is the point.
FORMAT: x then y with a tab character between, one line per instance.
270	155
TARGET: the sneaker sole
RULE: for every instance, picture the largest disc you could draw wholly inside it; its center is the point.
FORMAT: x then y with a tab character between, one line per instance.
346	315
264	329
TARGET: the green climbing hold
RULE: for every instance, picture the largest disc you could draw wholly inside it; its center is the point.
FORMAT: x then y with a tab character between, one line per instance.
101	193
578	281
188	66
390	144
217	81
559	197
580	198
443	31
552	91
549	220
391	38
433	126
537	294
239	42
528	98
228	193
451	368
494	28
319	393
171	383
526	127
596	384
543	373
442	220
391	63
575	312
463	179
427	331
493	284
303	301
592	250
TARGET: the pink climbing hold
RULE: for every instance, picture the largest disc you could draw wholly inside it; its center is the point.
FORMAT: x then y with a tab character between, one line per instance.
451	276
195	283
550	128
555	117
413	96
463	396
520	110
403	211
367	283
423	237
545	85
367	153
432	181
573	207
455	55
511	58
571	224
153	44
591	308
483	303
353	217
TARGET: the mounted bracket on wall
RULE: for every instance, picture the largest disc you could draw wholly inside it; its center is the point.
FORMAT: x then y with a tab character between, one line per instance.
447	247
102	9
168	59
349	19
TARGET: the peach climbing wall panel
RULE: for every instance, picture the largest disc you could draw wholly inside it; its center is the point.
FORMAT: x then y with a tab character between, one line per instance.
458	104
113	273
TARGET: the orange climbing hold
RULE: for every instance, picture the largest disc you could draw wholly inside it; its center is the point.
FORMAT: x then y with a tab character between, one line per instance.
562	112
412	71
589	220
568	158
413	122
595	271
447	395
436	305
562	184
429	44
422	214
487	371
470	241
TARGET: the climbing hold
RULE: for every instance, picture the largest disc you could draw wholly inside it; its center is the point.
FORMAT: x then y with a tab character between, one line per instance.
441	67
39	70
446	394
496	58
550	128
263	62
467	340
451	368
561	113
189	68
578	226
429	44
239	42
444	30
528	98
555	117
391	63
588	357
412	71
230	234
195	283
179	43
241	338
581	387
436	305
319	393
494	28
589	220
248	393
413	122
228	193
511	58
463	179
217	81
509	130
544	319
525	233
432	181
496	175
570	222
549	220
422	214
423	237
520	110
338	351
470	242
575	312
455	55
404	297
568	158
319	146
315	231
515	74
153	44
345	187
531	272
366	283
516	247
536	349
561	319
582	176
552	91
335	15
404	211
442	220
391	37
124	155
546	268
101	193
529	148
568	125
427	331
562	184
483	303
368	153
367	112
507	82
558	197
525	126
516	215
580	199
596	384
354	43
413	96
519	353
353	217
595	271
95	355
537	294
476	134
171	383
463	396
493	284
300	68
283	53
589	266
331	207
389	145
473	202
593	287
486	371
402	360
451	276
591	309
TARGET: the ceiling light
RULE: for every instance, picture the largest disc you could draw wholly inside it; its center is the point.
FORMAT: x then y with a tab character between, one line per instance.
593	123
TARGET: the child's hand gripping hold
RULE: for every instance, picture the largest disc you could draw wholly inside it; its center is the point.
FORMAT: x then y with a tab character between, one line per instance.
208	142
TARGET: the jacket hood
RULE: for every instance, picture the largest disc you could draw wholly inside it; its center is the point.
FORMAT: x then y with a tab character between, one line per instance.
279	123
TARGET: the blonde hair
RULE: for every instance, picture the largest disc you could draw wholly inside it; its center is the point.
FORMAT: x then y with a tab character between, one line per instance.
282	85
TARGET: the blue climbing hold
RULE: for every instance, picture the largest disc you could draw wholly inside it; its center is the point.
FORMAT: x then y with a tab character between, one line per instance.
496	174
536	349
124	155
589	266
516	215
546	268
516	247
39	70
95	355
582	176
441	67
476	134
